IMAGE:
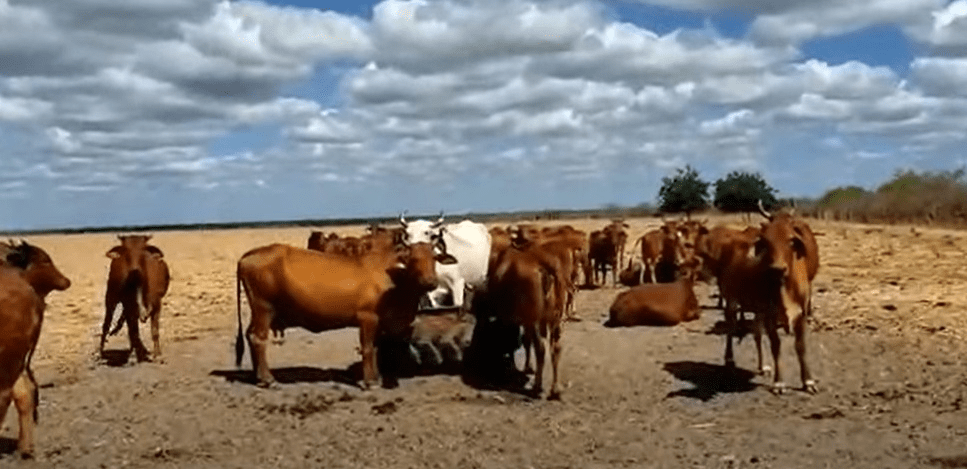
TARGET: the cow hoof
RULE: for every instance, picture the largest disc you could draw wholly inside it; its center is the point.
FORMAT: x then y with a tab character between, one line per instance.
779	388
267	384
765	371
554	396
26	453
536	393
810	386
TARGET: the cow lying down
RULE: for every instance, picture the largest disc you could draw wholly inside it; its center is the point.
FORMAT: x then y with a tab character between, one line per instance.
655	304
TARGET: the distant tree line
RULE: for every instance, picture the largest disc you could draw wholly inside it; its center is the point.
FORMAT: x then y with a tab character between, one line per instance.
908	197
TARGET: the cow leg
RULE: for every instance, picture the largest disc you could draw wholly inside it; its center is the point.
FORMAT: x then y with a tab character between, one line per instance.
778	386
801	328
528	346
134	334
538	342
111	300
6	395
25	398
435	356
730	326
757	334
368	323
258	341
457	291
555	394
156	331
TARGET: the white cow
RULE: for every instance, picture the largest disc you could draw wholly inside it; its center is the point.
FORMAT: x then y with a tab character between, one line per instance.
466	241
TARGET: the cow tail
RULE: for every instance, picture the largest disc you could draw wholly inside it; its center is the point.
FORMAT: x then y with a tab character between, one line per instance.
239	339
635	246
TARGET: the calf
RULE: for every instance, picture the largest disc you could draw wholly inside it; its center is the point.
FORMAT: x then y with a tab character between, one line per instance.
440	339
655	304
138	280
27	275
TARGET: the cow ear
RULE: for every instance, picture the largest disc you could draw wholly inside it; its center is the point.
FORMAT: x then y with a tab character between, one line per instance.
115	252
17	258
798	246
445	259
703	230
155	251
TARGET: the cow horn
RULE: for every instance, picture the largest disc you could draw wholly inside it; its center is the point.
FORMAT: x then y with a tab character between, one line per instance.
763	211
402	219
439	221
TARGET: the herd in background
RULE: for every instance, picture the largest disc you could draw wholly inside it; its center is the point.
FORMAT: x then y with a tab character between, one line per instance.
427	294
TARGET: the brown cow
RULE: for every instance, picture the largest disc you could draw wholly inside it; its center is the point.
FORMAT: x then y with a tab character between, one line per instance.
606	250
657	304
290	287
27	275
775	283
661	253
557	255
521	290
138	280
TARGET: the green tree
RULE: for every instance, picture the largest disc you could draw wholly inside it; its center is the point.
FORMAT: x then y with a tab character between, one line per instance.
741	192
684	193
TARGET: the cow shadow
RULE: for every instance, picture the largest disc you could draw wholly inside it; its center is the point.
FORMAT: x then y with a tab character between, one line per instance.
116	358
350	375
709	380
743	328
8	446
949	461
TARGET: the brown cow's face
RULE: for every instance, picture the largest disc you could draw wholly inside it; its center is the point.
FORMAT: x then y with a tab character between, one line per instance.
418	263
779	244
38	269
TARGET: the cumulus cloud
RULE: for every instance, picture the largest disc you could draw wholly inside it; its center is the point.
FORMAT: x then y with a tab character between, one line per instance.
151	94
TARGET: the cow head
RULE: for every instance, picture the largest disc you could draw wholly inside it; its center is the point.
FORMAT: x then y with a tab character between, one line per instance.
421	231
416	264
133	249
780	243
37	268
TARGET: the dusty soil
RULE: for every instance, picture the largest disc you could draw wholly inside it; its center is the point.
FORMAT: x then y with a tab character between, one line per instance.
887	348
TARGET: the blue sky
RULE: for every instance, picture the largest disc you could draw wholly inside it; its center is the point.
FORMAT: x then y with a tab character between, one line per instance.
184	111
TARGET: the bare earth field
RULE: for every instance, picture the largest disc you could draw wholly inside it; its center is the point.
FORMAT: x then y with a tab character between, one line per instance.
887	347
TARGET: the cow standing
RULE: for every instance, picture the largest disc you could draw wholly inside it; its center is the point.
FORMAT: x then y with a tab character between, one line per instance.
522	290
27	275
291	287
467	242
138	280
775	283
606	250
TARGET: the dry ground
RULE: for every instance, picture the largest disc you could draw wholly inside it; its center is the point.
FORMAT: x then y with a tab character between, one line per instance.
887	348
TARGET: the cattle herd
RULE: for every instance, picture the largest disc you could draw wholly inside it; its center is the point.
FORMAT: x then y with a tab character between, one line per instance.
430	294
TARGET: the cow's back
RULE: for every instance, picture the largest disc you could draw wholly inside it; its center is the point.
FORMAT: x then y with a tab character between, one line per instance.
470	243
519	287
311	289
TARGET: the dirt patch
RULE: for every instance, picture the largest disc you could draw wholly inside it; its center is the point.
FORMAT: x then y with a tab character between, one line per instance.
886	347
